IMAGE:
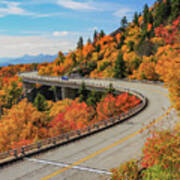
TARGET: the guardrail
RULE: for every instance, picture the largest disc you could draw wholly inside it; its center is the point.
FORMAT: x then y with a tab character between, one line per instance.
19	153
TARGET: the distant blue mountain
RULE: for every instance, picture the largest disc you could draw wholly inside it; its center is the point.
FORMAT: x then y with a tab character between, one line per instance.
27	59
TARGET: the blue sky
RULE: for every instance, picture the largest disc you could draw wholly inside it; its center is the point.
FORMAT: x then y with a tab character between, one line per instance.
47	26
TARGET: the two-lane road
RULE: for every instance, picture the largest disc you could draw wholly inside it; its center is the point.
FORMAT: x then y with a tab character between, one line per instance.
93	157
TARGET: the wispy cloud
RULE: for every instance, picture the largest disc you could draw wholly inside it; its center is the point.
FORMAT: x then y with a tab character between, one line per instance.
123	12
14	8
70	4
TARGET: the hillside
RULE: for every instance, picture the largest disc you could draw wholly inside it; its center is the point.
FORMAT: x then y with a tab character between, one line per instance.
128	50
141	49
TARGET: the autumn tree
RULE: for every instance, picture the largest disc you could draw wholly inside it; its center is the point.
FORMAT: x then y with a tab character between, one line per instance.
22	122
59	107
10	94
76	116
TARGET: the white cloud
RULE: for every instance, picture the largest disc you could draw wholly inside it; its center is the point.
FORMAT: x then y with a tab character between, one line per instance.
70	4
12	8
15	46
123	12
60	33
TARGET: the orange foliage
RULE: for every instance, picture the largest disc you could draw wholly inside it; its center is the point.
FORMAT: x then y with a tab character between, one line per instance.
22	122
76	116
146	71
169	69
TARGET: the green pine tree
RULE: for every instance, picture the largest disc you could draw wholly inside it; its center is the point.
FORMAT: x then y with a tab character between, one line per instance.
124	23
93	98
110	90
95	36
80	43
40	102
101	34
136	19
83	93
175	9
120	67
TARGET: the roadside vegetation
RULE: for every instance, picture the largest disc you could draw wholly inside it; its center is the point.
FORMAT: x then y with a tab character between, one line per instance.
27	122
146	48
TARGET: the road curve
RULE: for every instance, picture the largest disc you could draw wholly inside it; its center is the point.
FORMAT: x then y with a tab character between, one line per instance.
93	156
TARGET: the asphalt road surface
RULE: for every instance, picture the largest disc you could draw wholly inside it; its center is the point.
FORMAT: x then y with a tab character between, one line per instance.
92	157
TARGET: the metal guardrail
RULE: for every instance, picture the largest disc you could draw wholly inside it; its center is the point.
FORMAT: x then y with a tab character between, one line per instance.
15	154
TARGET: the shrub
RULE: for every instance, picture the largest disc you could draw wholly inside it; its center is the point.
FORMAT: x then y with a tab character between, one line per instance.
127	171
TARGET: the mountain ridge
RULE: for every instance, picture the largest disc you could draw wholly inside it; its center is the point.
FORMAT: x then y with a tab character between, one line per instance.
27	59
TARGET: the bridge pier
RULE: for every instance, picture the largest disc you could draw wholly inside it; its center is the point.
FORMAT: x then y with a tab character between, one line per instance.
27	88
68	93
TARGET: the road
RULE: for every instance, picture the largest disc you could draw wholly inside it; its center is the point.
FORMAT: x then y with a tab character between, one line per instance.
93	157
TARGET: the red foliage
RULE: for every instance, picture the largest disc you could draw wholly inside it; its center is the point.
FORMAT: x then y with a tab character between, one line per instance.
169	34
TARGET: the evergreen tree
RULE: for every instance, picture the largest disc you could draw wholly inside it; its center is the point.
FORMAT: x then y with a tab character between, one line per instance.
120	44
83	93
175	9
40	102
98	48
101	34
120	67
95	36
130	45
145	15
124	23
163	11
110	90
136	19
73	56
93	98
168	8
89	41
61	58
80	43
150	18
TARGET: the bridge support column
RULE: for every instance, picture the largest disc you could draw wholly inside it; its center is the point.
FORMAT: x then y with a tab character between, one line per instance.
27	88
68	93
63	93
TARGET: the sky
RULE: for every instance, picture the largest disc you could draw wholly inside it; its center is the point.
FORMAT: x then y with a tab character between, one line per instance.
47	26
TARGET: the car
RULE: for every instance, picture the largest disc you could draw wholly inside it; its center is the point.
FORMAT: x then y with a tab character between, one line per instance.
64	78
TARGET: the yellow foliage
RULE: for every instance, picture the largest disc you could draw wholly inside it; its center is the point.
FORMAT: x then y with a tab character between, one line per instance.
21	122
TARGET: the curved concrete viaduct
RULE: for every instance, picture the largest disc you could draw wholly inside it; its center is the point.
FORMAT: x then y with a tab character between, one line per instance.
93	157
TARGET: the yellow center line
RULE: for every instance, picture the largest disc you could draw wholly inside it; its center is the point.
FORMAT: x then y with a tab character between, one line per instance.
108	147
